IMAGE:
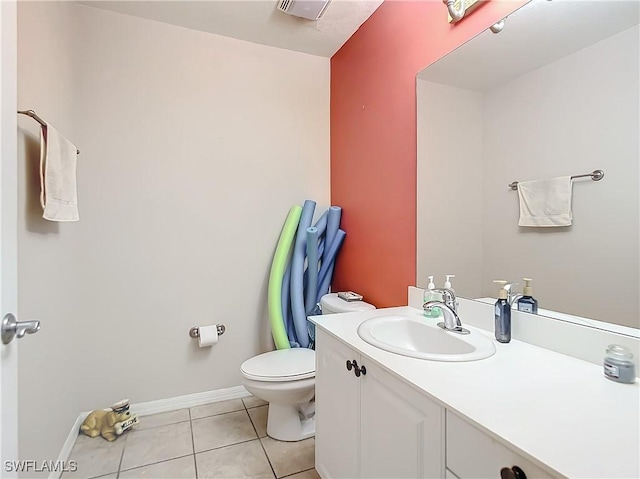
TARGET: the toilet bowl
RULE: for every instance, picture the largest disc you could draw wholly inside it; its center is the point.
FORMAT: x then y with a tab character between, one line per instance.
286	380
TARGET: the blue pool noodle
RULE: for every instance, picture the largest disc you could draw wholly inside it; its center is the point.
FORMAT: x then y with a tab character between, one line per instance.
326	270
286	306
297	275
333	222
321	249
312	269
321	224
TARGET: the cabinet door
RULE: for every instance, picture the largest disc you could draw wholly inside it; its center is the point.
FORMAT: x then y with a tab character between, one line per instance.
471	454
401	431
337	409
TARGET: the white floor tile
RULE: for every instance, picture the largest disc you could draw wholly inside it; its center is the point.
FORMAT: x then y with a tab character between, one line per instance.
222	430
157	444
246	460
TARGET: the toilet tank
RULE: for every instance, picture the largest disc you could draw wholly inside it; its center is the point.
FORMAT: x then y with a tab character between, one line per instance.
330	304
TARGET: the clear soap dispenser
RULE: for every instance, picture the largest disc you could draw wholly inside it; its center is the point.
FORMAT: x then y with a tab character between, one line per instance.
502	314
527	302
430	295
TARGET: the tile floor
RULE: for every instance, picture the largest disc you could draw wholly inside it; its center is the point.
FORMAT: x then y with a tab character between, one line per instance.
226	439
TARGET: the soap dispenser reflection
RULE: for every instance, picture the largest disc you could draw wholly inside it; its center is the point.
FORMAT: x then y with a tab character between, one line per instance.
527	303
447	285
430	295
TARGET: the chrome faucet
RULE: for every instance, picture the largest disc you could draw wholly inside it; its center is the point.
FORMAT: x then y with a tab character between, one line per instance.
452	321
512	296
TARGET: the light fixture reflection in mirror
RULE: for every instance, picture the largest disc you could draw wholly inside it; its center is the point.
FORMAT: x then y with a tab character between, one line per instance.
536	102
456	13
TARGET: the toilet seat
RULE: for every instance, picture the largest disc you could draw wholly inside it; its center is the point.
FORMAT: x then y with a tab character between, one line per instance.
281	365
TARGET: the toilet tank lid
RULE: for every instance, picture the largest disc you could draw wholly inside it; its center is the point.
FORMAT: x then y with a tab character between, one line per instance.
332	303
295	363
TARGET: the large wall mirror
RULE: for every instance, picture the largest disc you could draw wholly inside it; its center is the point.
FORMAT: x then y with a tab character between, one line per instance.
556	93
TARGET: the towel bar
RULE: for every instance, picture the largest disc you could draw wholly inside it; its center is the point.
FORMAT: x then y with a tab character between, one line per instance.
595	175
35	116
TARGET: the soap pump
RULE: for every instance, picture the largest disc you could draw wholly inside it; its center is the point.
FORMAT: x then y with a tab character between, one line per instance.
502	314
447	285
430	295
527	302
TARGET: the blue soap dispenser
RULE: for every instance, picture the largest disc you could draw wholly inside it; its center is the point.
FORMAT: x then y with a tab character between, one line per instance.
527	302
502	315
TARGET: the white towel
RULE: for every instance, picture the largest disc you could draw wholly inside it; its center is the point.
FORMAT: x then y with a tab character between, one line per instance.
545	202
58	194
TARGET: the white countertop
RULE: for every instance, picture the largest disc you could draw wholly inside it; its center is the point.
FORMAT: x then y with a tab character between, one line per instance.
556	410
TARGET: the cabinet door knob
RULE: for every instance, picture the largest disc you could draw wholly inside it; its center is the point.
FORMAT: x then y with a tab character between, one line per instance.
356	369
507	473
512	473
359	370
518	473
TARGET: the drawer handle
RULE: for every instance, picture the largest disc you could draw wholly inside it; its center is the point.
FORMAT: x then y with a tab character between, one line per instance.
512	473
351	365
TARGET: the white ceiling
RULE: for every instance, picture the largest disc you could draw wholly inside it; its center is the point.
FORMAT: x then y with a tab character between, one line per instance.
257	21
537	34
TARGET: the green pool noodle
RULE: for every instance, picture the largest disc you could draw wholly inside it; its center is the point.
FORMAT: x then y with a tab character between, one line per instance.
278	266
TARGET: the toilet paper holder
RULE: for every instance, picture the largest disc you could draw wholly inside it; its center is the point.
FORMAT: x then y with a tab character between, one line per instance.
195	331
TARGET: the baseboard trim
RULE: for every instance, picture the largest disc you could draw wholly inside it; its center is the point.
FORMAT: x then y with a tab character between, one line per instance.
155	407
188	400
63	457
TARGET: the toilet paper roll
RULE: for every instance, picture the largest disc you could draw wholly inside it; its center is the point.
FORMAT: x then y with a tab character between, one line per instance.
207	336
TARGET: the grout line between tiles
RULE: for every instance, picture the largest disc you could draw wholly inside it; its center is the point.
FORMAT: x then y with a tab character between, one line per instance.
193	444
122	456
155	463
195	465
162	425
267	456
299	472
226	445
193	441
214	415
260	441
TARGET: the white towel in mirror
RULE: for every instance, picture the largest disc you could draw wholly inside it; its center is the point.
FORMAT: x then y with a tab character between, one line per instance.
58	193
545	202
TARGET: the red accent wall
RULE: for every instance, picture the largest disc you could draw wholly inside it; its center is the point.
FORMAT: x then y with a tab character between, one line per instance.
373	138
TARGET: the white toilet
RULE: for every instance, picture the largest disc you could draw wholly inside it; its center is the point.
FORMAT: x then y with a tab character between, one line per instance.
286	380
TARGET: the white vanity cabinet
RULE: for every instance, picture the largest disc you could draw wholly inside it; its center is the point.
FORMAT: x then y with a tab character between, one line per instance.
370	424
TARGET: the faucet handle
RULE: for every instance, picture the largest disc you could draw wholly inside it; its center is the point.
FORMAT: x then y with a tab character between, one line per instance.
448	296
508	286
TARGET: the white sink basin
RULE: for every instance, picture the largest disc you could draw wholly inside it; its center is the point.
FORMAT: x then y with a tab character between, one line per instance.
417	338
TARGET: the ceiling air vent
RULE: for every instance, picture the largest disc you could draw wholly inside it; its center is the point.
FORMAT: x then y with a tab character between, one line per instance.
309	9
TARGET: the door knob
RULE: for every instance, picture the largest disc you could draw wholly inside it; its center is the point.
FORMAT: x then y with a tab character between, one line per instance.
12	328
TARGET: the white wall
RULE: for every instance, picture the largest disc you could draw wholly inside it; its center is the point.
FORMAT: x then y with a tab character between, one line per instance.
572	116
193	148
449	190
